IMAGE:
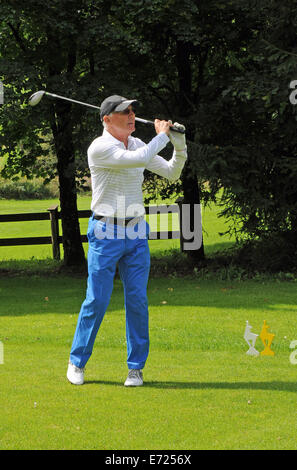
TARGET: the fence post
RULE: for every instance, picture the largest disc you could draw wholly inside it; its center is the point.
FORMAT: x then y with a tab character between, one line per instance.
191	229
179	202
54	218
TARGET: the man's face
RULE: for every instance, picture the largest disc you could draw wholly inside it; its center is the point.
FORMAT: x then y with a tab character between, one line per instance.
122	123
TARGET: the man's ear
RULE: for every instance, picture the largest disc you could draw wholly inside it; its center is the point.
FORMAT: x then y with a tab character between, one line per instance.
106	119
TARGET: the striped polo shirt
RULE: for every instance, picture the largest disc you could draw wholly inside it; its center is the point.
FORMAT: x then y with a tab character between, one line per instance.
117	172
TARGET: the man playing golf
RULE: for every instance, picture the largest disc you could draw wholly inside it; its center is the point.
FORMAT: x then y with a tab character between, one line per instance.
118	233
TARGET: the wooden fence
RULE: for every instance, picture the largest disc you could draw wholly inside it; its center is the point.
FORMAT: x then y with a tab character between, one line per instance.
55	239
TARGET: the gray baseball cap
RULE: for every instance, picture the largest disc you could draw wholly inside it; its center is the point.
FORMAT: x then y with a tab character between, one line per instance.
114	103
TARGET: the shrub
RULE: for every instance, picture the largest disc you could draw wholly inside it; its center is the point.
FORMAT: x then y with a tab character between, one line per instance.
25	190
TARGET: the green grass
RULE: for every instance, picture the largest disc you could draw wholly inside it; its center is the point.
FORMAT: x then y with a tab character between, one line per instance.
201	389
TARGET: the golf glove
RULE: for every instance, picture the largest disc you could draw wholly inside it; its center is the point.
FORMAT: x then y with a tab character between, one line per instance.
178	140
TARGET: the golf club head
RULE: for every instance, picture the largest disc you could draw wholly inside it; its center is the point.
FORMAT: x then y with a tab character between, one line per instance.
36	97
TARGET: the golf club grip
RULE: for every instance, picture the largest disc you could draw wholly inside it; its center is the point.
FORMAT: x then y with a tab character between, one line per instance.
172	128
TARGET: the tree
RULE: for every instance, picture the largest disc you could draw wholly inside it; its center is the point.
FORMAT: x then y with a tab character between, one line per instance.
183	54
48	46
221	68
256	165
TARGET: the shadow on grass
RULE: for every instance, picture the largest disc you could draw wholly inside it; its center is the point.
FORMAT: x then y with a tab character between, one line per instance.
272	386
25	295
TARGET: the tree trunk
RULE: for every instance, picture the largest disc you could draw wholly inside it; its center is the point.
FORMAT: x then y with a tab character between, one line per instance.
61	125
192	197
189	180
62	131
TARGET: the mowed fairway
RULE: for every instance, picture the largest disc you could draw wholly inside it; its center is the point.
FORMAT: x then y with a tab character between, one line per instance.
201	389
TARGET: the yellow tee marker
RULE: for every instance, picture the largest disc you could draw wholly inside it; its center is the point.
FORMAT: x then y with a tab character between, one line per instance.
267	339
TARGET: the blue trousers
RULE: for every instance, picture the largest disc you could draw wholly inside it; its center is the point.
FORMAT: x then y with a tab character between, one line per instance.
111	245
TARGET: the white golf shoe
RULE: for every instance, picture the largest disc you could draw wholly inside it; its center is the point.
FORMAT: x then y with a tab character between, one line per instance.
134	379
75	375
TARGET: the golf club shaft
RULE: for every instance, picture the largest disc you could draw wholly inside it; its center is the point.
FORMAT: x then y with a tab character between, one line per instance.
144	121
53	95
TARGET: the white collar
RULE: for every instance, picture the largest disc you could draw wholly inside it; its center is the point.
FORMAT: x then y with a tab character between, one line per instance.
110	137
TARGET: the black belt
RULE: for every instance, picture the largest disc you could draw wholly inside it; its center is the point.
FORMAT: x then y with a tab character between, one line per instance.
117	221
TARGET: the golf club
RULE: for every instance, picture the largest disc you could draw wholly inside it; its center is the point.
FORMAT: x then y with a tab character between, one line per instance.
36	98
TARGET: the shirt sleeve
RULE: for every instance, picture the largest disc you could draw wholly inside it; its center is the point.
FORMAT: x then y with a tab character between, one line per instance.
168	169
104	154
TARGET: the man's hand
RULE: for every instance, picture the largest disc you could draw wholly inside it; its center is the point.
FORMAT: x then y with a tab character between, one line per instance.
162	126
178	140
